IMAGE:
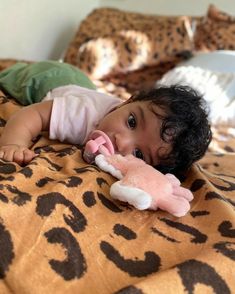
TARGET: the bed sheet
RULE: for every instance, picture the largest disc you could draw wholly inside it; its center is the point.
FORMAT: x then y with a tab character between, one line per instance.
60	232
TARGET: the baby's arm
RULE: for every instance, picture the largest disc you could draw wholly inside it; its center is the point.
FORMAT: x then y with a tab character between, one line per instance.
21	129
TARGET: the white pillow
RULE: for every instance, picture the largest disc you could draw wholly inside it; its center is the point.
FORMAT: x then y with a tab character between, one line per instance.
212	75
221	60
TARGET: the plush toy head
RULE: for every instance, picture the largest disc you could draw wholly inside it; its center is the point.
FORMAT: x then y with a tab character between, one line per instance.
139	183
143	186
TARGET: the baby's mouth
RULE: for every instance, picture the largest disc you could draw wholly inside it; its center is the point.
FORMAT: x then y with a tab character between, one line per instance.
98	143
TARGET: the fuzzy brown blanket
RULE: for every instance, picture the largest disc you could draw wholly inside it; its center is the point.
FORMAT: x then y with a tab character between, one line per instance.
60	232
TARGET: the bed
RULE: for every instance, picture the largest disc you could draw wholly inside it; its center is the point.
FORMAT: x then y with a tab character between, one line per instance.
60	232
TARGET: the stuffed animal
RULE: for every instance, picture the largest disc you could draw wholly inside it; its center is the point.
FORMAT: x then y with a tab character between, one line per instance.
139	184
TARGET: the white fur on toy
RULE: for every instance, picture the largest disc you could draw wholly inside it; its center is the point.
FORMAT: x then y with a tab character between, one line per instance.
143	186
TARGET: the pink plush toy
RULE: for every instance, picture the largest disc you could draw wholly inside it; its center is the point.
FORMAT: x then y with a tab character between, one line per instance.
139	184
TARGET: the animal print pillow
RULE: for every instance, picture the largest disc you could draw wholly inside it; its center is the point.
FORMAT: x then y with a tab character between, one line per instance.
112	41
216	31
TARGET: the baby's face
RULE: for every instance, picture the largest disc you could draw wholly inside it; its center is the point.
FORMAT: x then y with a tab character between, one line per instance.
134	129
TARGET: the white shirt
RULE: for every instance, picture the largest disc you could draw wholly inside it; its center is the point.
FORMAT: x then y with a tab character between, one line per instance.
76	111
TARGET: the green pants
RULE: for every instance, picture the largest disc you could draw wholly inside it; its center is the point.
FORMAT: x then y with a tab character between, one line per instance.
29	83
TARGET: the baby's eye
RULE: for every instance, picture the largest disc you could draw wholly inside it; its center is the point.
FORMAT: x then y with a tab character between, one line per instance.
138	153
131	121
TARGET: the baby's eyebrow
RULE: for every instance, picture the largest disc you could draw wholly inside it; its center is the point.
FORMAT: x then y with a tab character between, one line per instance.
142	115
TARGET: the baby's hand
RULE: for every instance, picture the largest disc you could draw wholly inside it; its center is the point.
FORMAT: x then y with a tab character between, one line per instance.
19	154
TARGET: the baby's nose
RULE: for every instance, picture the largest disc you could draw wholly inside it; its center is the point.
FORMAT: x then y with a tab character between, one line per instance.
124	144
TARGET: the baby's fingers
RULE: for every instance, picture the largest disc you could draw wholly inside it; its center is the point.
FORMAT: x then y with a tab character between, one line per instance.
7	154
23	156
1	154
19	156
28	155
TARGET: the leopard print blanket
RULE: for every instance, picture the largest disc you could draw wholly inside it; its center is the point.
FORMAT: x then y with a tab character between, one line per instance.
60	232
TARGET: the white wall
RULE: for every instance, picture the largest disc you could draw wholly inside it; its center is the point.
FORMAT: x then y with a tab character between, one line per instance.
39	29
42	29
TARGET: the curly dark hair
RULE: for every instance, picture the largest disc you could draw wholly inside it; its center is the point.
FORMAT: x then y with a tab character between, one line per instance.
185	119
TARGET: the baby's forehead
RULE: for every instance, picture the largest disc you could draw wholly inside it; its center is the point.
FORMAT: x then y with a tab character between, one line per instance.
159	111
145	105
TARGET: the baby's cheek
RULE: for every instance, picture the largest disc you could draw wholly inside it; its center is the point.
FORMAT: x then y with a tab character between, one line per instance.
163	151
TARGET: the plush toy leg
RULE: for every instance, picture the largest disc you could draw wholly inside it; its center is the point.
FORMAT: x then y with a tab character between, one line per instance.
176	203
178	190
183	192
134	196
177	206
174	181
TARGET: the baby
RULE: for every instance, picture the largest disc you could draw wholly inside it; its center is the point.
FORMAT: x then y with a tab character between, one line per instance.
167	127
